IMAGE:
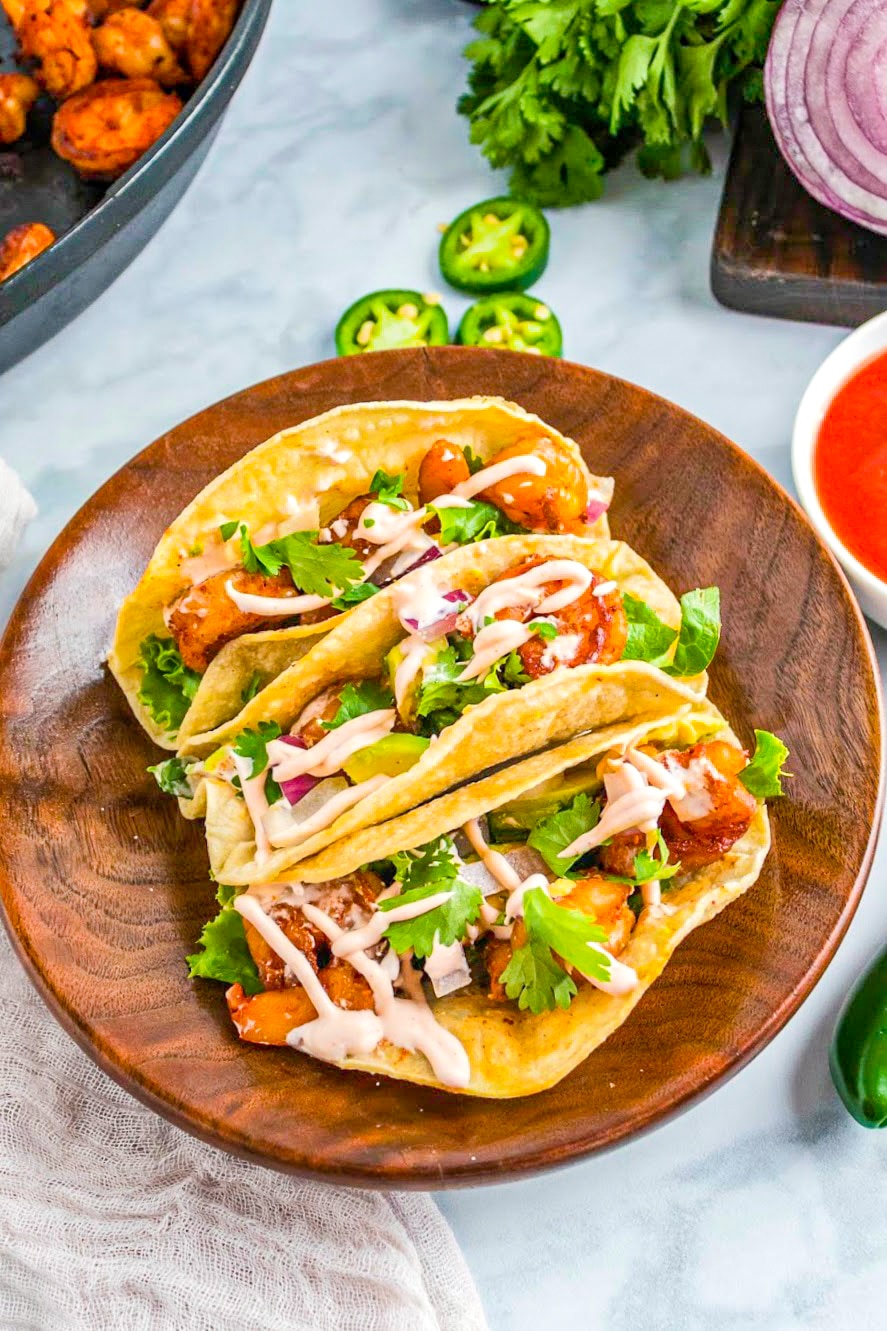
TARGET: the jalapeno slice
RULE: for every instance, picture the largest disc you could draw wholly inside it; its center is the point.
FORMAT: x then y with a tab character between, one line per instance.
858	1054
498	245
386	319
514	321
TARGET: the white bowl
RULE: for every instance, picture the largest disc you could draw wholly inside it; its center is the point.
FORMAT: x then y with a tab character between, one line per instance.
868	341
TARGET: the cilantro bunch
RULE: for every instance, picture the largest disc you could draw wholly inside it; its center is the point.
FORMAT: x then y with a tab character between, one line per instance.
561	90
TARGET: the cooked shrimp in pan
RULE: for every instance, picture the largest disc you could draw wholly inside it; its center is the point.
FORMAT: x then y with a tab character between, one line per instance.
56	35
174	18
105	128
22	244
134	44
18	93
209	25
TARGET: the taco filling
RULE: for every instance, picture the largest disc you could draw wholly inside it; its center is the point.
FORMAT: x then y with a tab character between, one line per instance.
539	616
295	572
525	906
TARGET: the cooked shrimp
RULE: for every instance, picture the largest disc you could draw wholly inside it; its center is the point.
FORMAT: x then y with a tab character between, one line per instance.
22	244
56	34
497	954
100	9
18	93
268	1018
106	127
591	629
441	470
342	530
726	807
173	17
553	502
204	617
606	901
310	725
209	24
134	44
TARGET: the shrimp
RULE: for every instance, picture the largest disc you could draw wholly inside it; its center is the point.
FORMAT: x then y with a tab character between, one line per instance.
310	726
343	529
553	502
22	244
204	617
174	18
590	629
18	93
269	1017
606	901
727	808
103	129
441	470
133	44
209	25
56	34
100	9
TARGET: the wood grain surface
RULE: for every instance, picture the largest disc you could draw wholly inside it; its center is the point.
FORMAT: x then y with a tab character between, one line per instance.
105	887
779	252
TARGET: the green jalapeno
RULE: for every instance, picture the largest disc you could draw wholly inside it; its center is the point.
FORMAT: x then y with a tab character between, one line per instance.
498	245
858	1054
386	319
514	321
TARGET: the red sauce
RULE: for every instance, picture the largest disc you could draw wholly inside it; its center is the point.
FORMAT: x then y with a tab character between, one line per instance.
850	465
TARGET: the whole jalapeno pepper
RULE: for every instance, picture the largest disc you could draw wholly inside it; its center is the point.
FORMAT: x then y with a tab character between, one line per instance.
858	1054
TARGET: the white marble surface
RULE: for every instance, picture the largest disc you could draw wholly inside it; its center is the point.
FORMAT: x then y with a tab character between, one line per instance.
763	1206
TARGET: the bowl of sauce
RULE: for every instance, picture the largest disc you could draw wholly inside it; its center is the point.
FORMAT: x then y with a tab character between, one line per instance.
839	460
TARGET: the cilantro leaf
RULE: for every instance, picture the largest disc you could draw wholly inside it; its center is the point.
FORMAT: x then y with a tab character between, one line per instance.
648	638
479	522
554	833
172	777
368	695
649	868
253	744
319	570
224	954
567	932
700	632
422	874
545	629
474	463
763	775
442	697
353	595
535	979
168	685
388	490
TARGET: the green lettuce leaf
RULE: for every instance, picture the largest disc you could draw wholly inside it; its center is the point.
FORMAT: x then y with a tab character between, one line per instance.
168	685
172	777
763	775
479	522
556	831
369	695
224	954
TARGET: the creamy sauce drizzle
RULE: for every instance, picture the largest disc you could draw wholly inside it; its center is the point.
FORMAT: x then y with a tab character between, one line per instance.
492	643
408	669
326	757
332	809
358	940
256	802
499	471
527	590
273	607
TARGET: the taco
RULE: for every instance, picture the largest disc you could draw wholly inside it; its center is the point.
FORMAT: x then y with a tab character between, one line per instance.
487	942
484	655
313	522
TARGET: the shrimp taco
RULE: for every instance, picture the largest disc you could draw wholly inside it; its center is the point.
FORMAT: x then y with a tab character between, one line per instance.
487	942
310	524
487	654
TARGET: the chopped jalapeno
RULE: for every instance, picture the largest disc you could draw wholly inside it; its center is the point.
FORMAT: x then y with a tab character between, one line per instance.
386	319
498	245
513	321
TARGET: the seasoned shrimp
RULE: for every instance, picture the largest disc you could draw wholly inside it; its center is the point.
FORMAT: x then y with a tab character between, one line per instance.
268	1018
553	502
100	9
497	954
717	810
174	18
310	725
22	244
204	617
441	470
18	93
57	36
209	24
342	530
134	44
606	901
590	629
106	127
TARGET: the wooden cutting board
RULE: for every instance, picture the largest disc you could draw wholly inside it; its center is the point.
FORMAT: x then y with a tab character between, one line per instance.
778	252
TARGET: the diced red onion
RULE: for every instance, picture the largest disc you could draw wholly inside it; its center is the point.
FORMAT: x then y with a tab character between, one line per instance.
433	552
457	597
824	87
388	571
298	786
440	627
596	509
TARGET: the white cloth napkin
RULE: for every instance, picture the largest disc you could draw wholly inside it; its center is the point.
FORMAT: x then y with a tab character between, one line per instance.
17	508
111	1219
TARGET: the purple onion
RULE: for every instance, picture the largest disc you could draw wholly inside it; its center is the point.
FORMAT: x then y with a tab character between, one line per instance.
433	552
298	786
596	509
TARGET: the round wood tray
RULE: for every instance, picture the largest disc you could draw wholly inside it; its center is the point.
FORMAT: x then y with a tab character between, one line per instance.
105	888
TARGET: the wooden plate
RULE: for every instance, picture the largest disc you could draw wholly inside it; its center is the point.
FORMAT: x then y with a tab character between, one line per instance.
105	887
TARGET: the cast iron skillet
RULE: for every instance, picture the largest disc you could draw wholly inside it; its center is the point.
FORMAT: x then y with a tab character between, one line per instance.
101	228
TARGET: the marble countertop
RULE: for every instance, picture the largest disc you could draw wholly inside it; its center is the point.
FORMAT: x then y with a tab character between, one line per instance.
763	1206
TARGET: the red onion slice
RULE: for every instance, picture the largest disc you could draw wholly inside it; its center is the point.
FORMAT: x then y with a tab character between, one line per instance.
596	509
439	628
298	786
826	106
